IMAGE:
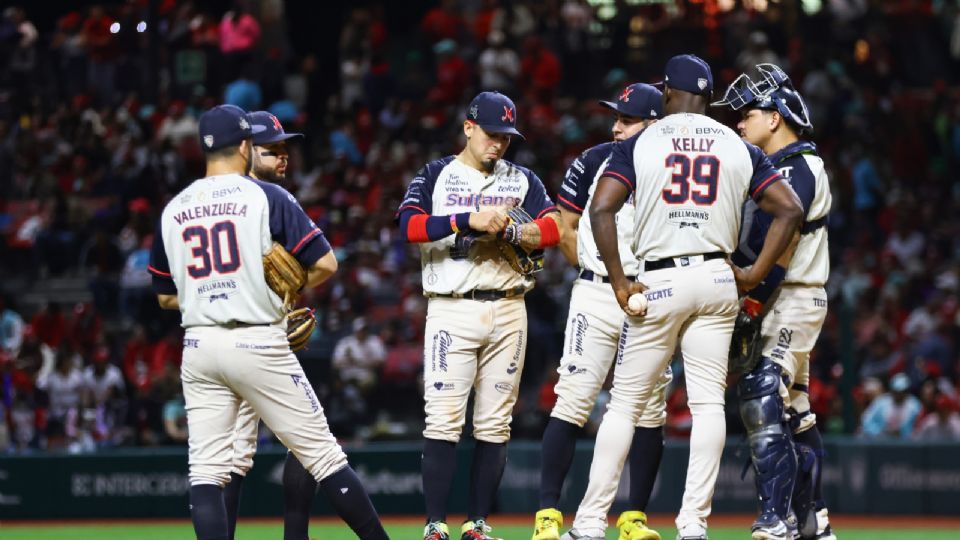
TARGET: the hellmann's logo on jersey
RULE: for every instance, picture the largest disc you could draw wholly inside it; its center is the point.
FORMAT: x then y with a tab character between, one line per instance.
211	210
688	217
478	199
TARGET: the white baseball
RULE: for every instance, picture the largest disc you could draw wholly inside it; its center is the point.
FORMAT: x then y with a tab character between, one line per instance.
637	303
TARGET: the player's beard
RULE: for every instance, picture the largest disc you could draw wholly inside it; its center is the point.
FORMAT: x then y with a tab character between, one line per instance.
488	164
249	167
268	174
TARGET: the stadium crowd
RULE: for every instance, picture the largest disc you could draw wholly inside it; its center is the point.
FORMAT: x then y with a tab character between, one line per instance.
98	129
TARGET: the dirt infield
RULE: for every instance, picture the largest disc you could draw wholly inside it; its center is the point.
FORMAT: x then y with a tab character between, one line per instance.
851	521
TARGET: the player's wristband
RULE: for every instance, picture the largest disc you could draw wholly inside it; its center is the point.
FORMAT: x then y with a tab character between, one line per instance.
762	292
752	307
549	232
453	223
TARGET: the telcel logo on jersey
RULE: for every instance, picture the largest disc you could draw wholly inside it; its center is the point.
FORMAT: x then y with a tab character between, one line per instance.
479	199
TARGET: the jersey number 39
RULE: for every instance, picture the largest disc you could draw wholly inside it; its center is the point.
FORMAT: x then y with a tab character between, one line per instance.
703	171
207	246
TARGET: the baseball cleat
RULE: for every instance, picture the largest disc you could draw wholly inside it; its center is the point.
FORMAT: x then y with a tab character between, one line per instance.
792	526
436	530
574	534
824	532
547	524
475	530
770	527
633	526
692	531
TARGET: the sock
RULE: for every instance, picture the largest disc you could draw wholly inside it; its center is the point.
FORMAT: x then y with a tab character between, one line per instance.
231	501
438	467
208	512
299	487
351	502
489	459
556	455
811	438
645	454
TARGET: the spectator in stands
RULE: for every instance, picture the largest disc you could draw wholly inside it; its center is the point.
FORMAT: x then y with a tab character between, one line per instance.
11	328
64	389
239	36
177	126
942	425
499	65
175	419
892	414
105	394
357	357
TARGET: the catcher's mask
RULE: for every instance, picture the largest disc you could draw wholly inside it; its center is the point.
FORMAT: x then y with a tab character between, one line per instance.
773	92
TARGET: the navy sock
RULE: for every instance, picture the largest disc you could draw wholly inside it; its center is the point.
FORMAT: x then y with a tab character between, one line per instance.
208	512
556	454
231	501
811	438
349	499
489	459
645	454
299	487
438	467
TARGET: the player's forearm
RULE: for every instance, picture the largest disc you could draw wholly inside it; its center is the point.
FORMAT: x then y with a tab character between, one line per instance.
605	235
543	232
420	228
775	244
321	270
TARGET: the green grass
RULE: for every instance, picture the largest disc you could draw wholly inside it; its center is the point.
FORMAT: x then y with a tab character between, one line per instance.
273	531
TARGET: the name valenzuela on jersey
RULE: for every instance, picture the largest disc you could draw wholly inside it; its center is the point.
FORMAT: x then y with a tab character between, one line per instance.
211	210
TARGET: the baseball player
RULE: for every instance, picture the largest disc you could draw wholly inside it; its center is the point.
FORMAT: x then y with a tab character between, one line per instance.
269	164
593	332
207	261
476	329
688	176
774	116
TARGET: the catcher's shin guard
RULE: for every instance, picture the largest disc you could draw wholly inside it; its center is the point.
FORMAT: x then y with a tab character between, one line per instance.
804	503
771	447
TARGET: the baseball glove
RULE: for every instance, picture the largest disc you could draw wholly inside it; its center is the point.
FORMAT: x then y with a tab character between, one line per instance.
300	325
745	344
523	261
462	243
284	274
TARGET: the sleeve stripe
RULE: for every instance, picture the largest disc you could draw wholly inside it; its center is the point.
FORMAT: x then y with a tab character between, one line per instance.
547	210
303	240
618	176
564	202
402	208
158	272
763	184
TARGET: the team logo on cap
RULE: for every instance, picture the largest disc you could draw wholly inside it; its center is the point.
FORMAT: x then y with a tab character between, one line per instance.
208	140
701	83
244	124
276	123
625	96
653	112
507	114
473	111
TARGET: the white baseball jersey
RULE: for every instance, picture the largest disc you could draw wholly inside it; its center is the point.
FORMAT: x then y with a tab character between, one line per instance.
577	189
800	165
209	247
689	202
448	186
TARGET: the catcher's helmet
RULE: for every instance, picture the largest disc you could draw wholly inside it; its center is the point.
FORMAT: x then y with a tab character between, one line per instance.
774	92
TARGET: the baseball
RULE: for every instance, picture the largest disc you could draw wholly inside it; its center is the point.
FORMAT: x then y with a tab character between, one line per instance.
637	303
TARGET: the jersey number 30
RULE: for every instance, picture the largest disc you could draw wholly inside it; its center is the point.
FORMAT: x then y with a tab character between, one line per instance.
208	249
704	170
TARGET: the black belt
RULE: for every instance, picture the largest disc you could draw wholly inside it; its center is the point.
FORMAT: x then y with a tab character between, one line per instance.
684	260
814	225
589	275
241	324
482	295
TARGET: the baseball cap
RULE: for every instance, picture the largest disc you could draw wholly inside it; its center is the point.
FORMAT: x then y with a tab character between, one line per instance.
638	100
494	112
223	126
268	129
689	73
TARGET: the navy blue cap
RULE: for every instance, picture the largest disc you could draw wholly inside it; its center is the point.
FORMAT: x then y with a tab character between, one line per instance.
638	100
223	126
689	73
494	112
267	128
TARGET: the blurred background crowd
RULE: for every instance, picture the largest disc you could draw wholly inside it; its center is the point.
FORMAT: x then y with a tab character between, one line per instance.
98	109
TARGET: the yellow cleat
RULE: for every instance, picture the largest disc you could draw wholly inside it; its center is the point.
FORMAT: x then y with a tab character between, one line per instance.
633	526
547	524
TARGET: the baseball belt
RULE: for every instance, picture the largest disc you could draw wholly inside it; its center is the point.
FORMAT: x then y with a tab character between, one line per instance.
682	261
482	295
589	275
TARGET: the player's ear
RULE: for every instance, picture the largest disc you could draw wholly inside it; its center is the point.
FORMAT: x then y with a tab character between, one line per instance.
774	121
468	128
